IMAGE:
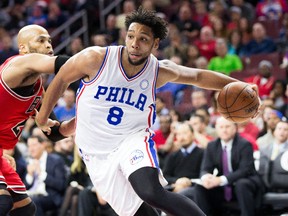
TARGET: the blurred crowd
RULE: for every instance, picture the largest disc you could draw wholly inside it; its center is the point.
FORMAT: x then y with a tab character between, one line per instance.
247	40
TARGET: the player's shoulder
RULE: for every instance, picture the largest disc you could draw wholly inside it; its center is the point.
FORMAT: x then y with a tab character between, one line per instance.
92	54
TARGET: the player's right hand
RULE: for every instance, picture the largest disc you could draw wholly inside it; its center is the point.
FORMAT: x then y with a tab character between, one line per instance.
46	127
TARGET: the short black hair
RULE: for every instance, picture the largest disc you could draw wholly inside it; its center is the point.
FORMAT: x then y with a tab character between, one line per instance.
150	19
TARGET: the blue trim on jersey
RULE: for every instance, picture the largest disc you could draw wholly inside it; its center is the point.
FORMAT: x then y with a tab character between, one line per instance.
137	74
153	152
100	69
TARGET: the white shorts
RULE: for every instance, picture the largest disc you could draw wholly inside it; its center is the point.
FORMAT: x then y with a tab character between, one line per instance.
109	173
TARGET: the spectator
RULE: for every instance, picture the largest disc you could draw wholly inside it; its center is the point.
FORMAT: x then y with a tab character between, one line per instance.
235	14
273	117
111	31
277	94
128	7
206	42
201	62
183	165
198	125
271	10
67	111
45	179
271	155
89	202
282	40
76	46
245	28
192	55
177	47
175	88
7	49
99	40
284	108
55	16
234	43
260	42
201	14
236	172
224	62
64	148
219	28
160	110
247	9
264	79
38	16
161	135
77	181
185	24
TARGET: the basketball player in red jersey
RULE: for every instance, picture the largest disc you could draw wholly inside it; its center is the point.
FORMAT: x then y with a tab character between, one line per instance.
20	94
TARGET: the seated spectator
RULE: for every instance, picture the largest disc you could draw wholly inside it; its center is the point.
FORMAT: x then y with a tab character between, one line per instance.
249	131
277	94
183	165
271	10
37	15
185	24
224	62
111	30
192	55
64	148
284	108
245	28
235	14
45	179
7	49
260	42
77	181
68	110
56	17
201	14
273	117
271	155
89	202
160	110
282	40
199	126
161	136
264	79
175	88
206	42
234	43
232	156
247	9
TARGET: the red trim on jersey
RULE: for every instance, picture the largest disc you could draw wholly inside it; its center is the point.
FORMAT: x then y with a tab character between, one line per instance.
154	82
123	71
100	69
150	116
148	152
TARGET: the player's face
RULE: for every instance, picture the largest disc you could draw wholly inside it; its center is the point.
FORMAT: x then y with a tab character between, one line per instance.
41	43
140	42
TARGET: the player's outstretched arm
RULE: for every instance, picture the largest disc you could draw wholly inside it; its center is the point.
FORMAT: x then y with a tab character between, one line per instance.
207	79
25	66
77	67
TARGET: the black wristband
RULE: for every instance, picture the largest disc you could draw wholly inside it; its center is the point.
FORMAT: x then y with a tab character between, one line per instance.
59	61
55	134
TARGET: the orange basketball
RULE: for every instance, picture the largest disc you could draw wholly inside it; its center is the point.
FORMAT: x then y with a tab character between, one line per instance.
237	102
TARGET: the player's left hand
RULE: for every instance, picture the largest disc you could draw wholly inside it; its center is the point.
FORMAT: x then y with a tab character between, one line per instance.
10	160
46	127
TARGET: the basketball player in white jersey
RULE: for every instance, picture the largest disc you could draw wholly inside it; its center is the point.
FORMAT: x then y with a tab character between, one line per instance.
116	108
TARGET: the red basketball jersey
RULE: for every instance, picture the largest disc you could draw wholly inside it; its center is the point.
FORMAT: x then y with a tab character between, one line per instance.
15	110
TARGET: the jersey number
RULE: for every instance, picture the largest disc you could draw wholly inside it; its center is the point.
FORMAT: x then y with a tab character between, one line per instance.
115	115
17	129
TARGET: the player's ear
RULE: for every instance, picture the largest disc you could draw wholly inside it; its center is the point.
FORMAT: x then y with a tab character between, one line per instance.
156	43
22	49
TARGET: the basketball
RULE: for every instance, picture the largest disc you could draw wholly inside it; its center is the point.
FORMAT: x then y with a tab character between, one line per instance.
237	102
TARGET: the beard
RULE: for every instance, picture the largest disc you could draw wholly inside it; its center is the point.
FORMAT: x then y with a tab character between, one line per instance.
139	62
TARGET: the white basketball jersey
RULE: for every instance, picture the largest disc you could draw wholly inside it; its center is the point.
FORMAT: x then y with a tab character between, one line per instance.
112	105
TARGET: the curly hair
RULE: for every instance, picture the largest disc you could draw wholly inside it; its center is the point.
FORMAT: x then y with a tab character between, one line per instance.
150	19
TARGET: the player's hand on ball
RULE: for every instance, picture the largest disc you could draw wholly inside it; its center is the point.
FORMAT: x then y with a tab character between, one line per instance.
260	107
45	126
